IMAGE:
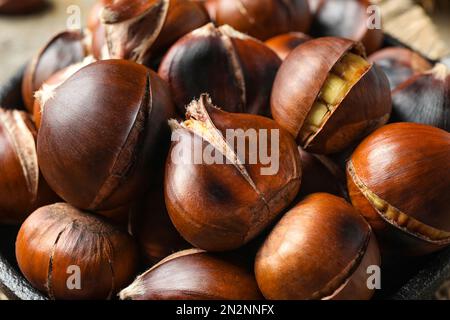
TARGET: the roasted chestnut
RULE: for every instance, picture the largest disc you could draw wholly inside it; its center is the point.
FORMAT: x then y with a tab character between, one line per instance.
21	7
285	43
221	190
69	254
236	70
101	132
347	19
262	19
321	249
328	96
399	179
195	275
142	31
424	98
22	188
399	64
64	49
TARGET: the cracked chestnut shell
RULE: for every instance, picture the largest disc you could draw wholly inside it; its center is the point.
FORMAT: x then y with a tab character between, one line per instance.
424	98
399	179
222	205
320	249
195	275
22	187
64	49
236	70
57	238
262	19
142	31
399	64
328	96
101	133
284	44
347	19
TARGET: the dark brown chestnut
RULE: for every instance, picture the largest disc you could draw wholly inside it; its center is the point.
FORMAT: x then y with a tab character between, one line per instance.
399	179
195	275
101	132
424	98
328	96
220	193
142	31
285	43
22	188
399	64
262	19
72	255
21	6
64	49
347	19
321	249
236	70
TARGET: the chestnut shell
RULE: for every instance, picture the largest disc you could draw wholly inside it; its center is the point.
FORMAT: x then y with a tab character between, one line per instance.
285	43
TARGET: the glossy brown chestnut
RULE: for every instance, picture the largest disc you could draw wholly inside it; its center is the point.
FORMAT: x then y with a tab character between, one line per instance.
347	19
21	6
22	188
399	179
101	133
320	174
150	224
262	19
195	275
399	64
328	96
321	249
236	70
64	49
59	241
285	43
424	98
142	31
224	202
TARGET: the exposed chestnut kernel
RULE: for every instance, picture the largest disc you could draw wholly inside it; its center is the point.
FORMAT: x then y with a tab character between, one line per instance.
64	49
220	206
236	70
328	96
22	188
399	64
262	19
285	43
424	98
321	249
142	31
195	275
101	133
347	19
59	241
398	178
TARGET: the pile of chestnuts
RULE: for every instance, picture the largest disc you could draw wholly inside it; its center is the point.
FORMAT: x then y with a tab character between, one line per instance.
102	169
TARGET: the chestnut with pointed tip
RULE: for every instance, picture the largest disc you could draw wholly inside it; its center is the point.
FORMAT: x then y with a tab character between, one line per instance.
236	70
101	133
64	49
285	43
399	64
321	249
142	31
424	98
57	243
22	187
399	179
229	196
262	19
348	19
195	275
328	96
